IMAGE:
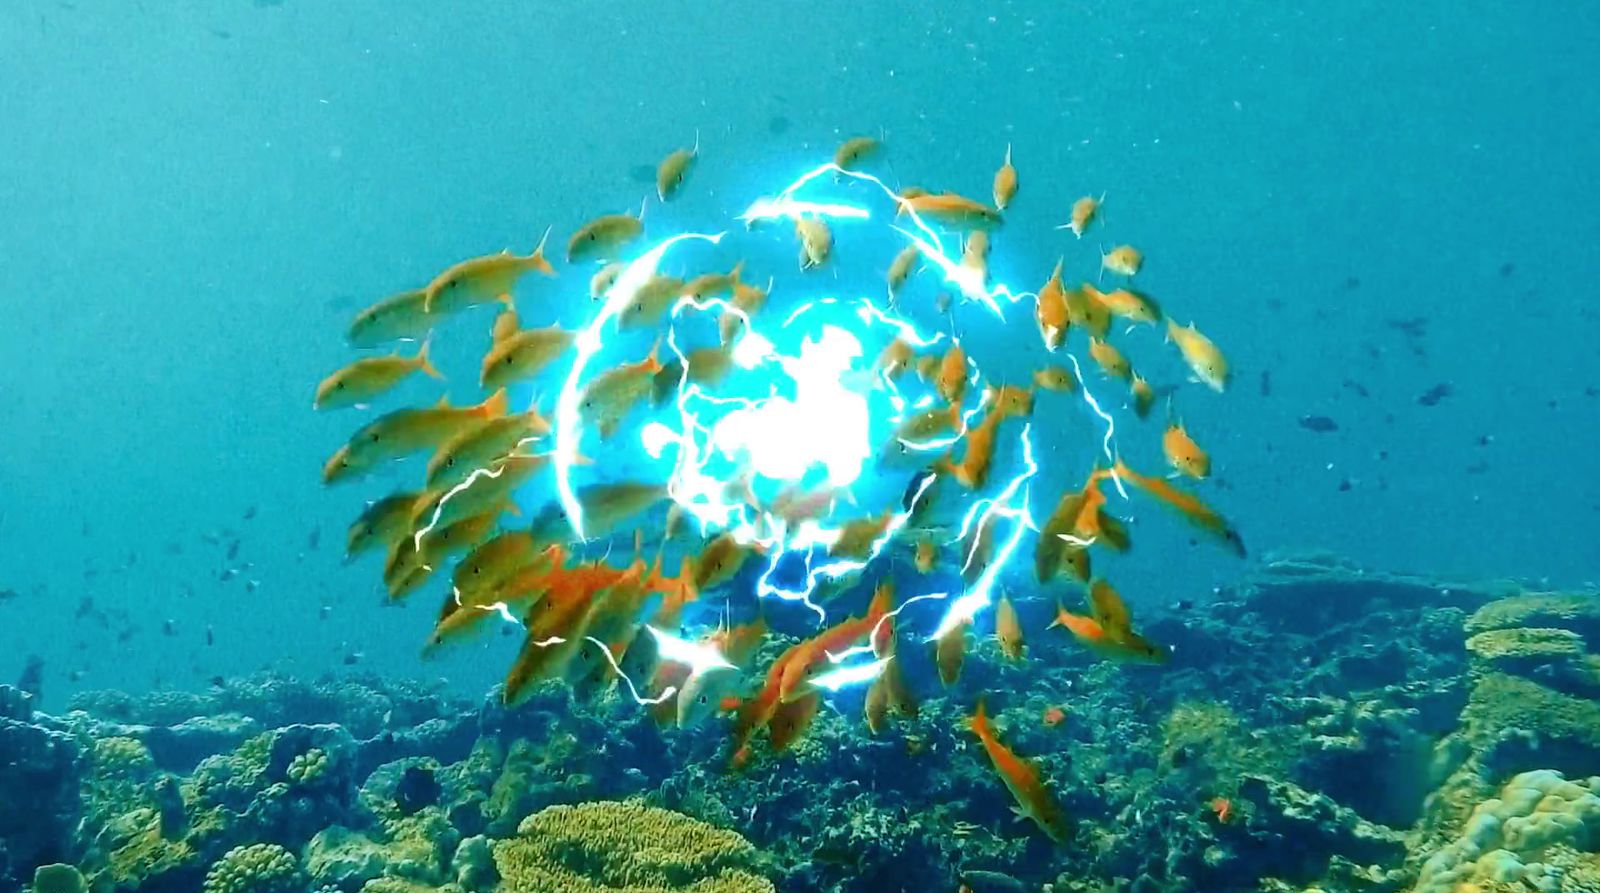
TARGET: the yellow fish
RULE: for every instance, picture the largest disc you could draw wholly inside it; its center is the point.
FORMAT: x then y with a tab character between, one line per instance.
406	431
674	168
1129	305
480	280
1005	182
853	151
1083	213
951	209
1110	359
605	236
601	282
1055	378
816	241
1183	453
901	268
650	302
1124	260
713	285
1008	629
523	355
482	446
1204	359
382	523
402	317
361	381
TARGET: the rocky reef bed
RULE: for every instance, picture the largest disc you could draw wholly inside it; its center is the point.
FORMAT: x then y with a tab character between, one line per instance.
1320	728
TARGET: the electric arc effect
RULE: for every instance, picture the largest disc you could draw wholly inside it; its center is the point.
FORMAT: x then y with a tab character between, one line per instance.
821	479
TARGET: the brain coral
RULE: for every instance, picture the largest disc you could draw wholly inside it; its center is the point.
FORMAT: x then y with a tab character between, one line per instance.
624	847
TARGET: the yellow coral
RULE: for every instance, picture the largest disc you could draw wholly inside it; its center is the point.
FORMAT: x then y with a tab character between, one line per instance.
307	767
257	868
624	847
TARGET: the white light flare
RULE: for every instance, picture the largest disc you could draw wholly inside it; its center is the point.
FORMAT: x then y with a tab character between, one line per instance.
587	343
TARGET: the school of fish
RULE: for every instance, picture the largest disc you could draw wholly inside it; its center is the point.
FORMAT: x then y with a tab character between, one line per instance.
599	621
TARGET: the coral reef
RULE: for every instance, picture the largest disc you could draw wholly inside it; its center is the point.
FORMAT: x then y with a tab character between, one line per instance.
1319	728
624	846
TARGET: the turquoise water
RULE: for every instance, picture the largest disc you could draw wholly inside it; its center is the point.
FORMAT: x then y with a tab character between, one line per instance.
1359	202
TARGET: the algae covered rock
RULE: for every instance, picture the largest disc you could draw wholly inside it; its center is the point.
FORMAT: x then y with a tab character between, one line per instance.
58	879
625	846
39	803
1578	612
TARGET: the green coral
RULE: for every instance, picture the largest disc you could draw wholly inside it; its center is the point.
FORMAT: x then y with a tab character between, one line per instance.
137	851
257	868
1209	744
58	879
1577	612
624	847
306	768
1502	701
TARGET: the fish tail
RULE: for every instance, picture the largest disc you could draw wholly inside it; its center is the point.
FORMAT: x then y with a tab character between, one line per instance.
538	260
425	364
978	722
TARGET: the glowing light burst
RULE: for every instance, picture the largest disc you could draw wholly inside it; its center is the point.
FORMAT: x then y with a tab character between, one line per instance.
724	447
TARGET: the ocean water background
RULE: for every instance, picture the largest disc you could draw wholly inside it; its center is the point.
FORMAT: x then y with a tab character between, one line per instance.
1359	201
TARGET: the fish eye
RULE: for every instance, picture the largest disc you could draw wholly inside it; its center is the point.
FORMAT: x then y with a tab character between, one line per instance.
702	699
591	237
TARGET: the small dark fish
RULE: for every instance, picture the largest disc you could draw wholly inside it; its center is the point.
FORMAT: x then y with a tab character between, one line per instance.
314	540
1266	383
1351	384
1183	604
1318	423
249	513
324	611
1415	327
1435	394
8	594
1351	283
778	126
233	550
85	608
1485	439
211	636
416	790
169	628
228	574
1345	485
126	634
1477	468
221	34
353	658
1506	269
173	548
218	682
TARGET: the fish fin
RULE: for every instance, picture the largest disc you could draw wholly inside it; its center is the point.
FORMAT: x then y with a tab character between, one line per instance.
495	406
425	364
733	274
1008	153
695	152
538	260
1018	814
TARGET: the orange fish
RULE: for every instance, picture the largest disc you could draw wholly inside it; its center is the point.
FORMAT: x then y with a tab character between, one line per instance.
1005	182
949	209
1129	305
1022	779
1083	213
1205	360
1222	808
1107	631
1183	453
753	714
1054	716
1110	359
1198	513
1051	312
813	661
363	380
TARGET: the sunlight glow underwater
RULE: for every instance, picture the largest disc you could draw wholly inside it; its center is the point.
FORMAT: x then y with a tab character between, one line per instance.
812	409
